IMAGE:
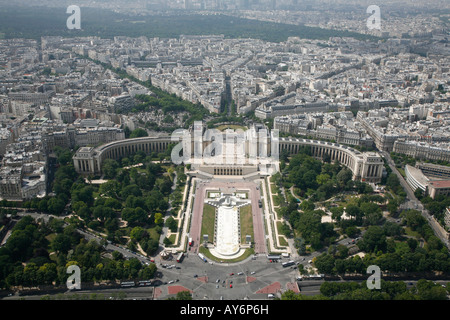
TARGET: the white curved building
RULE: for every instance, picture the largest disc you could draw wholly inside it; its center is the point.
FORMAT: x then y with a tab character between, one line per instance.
416	179
365	166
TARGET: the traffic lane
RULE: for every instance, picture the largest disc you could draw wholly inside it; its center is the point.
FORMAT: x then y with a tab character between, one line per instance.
246	278
195	230
258	223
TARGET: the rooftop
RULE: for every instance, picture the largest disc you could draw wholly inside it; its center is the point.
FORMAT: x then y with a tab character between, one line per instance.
440	184
417	174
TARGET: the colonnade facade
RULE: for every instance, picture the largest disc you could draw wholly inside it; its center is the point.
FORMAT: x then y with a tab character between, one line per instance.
232	171
367	166
89	160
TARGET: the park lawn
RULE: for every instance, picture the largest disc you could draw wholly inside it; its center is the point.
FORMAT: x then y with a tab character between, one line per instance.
279	227
208	220
277	200
246	221
153	234
282	240
402	172
274	188
412	233
172	238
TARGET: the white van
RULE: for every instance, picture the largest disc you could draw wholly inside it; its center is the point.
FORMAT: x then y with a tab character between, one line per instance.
270	296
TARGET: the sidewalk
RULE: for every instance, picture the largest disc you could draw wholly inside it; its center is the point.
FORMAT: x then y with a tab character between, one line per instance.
270	218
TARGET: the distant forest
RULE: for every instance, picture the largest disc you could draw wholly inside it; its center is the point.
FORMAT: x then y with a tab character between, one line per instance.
34	22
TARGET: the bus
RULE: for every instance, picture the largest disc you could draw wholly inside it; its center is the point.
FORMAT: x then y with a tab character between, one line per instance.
288	264
180	257
143	283
125	284
201	256
273	258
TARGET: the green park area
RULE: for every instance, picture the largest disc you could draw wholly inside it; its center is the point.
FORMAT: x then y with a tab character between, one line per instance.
208	220
246	221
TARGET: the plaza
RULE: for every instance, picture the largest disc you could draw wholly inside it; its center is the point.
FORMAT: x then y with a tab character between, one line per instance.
228	197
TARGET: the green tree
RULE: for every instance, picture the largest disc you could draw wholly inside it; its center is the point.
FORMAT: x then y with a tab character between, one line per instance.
427	290
299	244
110	188
61	243
148	272
158	218
137	233
83	193
182	295
309	224
392	206
172	224
413	219
307	205
373	240
418	193
354	211
56	206
167	242
109	168
325	263
152	246
337	212
343	177
134	216
138	133
322	178
393	183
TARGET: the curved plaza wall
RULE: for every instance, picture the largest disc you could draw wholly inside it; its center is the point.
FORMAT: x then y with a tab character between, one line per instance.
364	166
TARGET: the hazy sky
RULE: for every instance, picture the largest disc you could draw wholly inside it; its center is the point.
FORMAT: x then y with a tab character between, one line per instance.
256	4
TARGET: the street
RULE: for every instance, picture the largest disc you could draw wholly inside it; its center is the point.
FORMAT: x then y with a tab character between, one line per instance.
412	202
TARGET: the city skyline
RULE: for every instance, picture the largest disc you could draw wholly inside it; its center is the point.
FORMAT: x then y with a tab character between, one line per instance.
250	150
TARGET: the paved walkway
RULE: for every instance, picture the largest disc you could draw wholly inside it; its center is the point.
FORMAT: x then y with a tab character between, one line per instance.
176	289
271	218
271	288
